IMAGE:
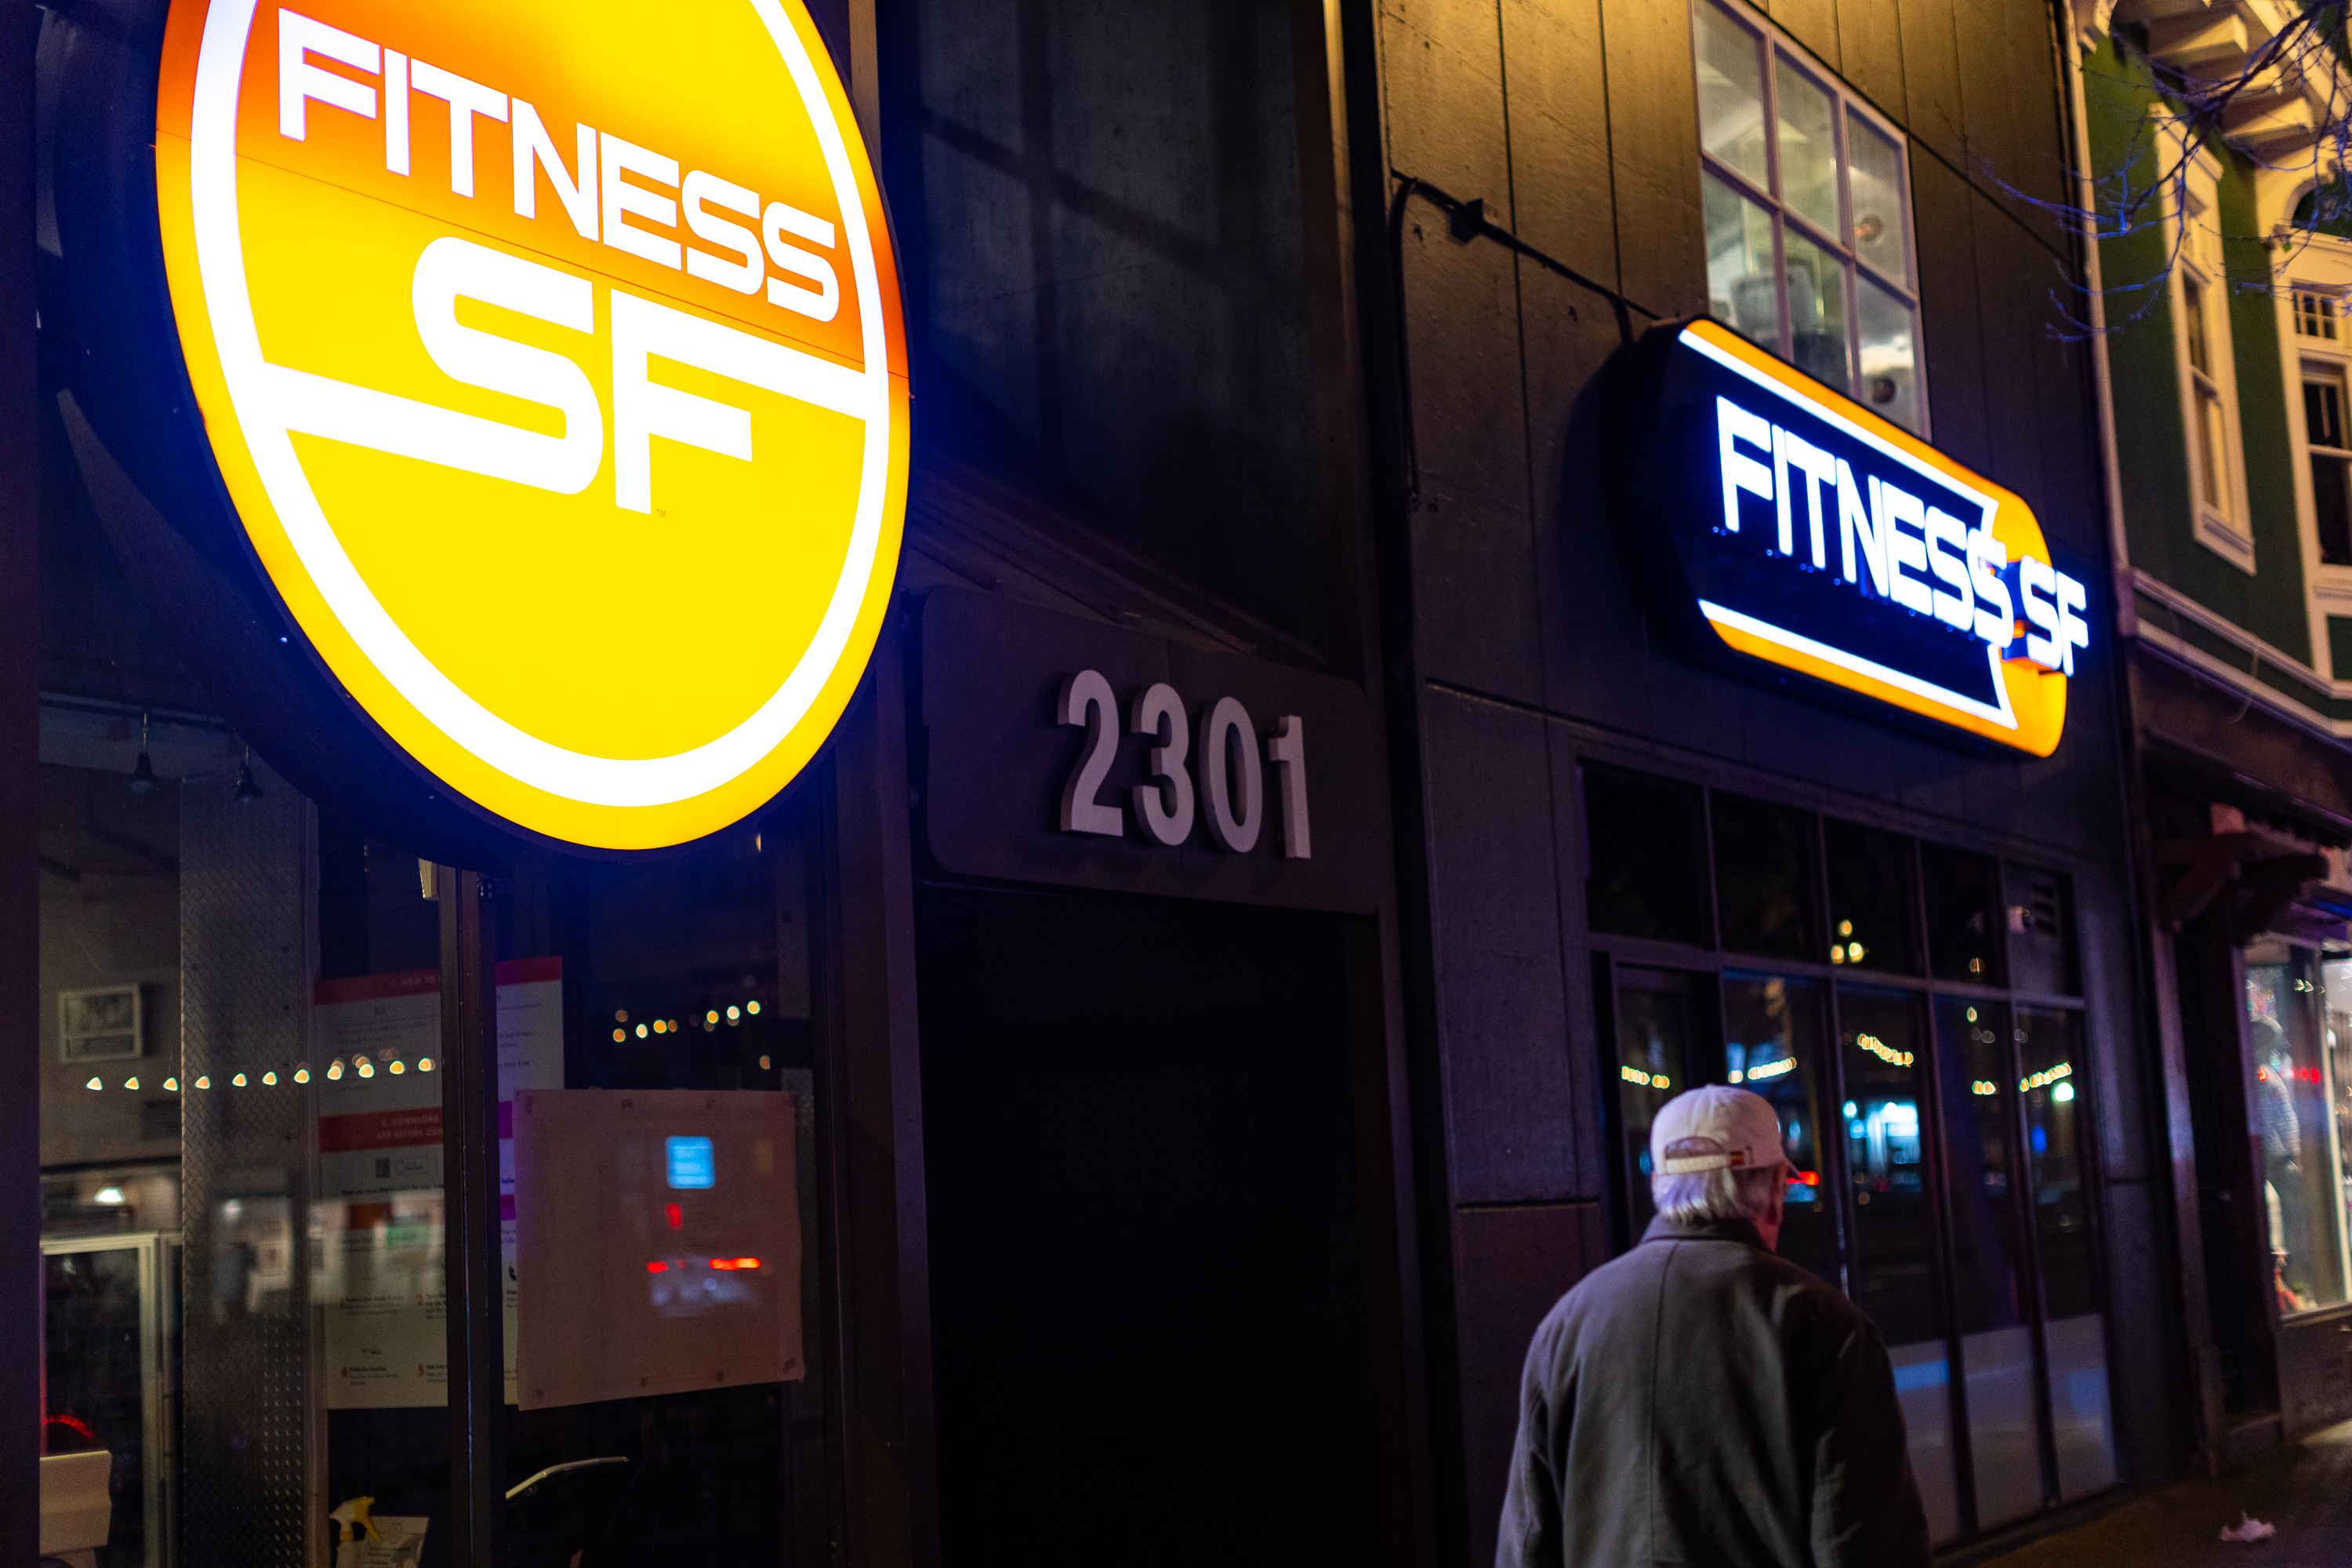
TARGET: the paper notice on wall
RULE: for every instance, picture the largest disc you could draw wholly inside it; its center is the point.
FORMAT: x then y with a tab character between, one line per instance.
378	1235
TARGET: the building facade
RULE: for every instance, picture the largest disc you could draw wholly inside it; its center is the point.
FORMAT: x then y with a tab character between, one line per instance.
1148	1068
2221	291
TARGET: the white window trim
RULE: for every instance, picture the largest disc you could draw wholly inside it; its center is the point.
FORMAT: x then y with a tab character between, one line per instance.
2228	530
2324	263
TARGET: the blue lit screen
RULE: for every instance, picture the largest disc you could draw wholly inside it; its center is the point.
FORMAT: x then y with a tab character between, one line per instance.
692	1165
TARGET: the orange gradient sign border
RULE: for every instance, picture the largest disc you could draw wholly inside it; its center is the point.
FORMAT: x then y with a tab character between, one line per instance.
630	357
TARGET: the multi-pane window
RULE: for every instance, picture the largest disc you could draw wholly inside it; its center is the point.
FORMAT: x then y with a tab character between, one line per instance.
2208	377
2331	460
2314	314
2213	465
1808	210
1914	1013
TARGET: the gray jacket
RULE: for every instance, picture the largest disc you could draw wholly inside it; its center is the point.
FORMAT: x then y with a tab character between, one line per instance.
1701	1401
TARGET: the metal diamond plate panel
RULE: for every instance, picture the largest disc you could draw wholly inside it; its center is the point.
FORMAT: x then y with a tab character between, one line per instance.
249	1432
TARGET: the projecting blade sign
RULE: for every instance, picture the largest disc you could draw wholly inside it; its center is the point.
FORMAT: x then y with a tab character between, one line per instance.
1794	526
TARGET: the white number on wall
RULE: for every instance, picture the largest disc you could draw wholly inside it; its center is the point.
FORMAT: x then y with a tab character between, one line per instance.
1232	787
1087	700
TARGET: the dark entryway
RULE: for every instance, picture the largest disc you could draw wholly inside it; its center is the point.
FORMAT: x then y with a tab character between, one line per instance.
1146	1273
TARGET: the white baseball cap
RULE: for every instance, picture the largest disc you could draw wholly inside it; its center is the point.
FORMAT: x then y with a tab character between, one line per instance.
1740	1123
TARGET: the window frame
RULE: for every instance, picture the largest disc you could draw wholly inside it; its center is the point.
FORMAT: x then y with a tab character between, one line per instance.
1848	103
2218	501
1709	967
2316	265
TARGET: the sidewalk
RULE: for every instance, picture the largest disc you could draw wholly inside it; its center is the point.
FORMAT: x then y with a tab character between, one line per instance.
2304	1488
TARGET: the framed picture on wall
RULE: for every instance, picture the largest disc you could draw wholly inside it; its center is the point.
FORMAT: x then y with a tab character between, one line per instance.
102	1025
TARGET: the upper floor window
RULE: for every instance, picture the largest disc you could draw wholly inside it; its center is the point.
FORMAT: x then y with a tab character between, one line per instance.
1808	207
2314	314
2331	460
2208	374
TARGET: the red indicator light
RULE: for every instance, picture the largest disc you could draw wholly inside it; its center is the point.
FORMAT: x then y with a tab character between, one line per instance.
731	1263
2261	1075
676	1215
1809	1178
657	1267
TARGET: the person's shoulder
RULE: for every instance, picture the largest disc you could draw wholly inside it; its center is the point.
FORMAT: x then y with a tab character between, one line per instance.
1802	1299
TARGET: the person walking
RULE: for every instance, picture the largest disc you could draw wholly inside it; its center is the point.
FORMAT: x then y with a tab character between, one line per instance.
1703	1401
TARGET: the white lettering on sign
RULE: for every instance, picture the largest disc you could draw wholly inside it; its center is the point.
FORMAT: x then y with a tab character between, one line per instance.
1892	544
1231	795
599	201
626	213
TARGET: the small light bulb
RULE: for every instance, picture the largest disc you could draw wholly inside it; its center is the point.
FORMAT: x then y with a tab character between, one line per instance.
763	1064
302	1075
398	1068
130	1083
641	1031
335	1068
622	1016
751	1006
172	1085
620	1035
734	1014
711	1017
237	1082
271	1078
367	1069
660	1027
424	1064
95	1083
203	1081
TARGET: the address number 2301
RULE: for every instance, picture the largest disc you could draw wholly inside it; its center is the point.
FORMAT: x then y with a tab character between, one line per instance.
1223	748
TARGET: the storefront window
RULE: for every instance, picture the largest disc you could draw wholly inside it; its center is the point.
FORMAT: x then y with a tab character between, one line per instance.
1989	1290
1773	1030
1871	908
1883	1052
2296	1127
1763	877
2050	1049
1932	1091
1648	872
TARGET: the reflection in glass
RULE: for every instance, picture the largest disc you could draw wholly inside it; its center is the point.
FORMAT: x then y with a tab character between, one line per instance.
1740	288
2297	1132
1817	311
1808	149
1656	1034
1870	898
1880	211
1879	1047
2049	1054
1974	1071
1731	95
1889	354
1645	876
1772	1031
2338	1064
1964	922
1763	855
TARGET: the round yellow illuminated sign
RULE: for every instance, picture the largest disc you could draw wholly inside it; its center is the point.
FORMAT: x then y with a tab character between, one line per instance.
550	355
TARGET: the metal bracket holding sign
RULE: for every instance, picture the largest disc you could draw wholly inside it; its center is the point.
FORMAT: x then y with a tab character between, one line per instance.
1064	750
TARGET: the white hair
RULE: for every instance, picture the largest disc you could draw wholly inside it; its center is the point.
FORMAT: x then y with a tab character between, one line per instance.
1726	1192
